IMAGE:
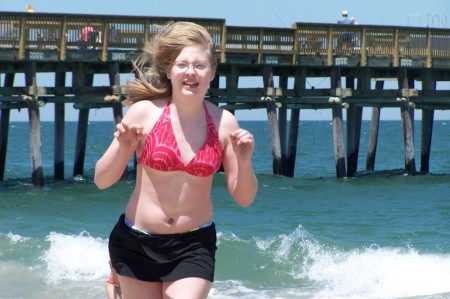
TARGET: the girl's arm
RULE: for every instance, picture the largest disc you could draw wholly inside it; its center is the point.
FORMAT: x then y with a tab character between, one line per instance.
128	135
239	145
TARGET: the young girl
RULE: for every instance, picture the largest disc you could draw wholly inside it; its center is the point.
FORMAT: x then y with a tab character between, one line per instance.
164	245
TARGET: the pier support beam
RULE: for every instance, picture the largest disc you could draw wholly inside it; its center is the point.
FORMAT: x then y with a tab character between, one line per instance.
60	81
292	143
114	79
4	128
80	150
37	173
232	81
407	124
282	126
299	84
427	132
81	79
338	137
374	129
354	119
273	122
427	125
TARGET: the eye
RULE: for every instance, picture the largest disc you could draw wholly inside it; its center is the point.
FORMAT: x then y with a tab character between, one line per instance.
201	66
181	65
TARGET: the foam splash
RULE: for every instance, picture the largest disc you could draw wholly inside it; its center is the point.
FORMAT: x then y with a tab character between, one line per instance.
75	258
371	272
14	239
381	273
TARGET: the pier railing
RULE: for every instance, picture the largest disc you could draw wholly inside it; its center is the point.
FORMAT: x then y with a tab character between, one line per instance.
87	45
73	37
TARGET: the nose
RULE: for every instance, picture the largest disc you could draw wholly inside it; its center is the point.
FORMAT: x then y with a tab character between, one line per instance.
190	66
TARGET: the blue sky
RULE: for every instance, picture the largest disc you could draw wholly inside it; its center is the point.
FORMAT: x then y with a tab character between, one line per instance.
265	13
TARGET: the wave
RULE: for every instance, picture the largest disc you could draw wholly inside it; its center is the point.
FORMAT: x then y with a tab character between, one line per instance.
58	266
75	257
298	266
295	265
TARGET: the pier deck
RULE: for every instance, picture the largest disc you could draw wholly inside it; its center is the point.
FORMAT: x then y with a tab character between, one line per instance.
365	56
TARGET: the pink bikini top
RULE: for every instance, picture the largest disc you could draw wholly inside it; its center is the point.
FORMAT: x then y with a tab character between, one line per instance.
161	150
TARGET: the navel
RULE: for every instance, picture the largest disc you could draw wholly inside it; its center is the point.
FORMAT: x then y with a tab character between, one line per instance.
170	221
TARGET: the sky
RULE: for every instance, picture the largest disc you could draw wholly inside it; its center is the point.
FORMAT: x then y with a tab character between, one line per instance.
264	13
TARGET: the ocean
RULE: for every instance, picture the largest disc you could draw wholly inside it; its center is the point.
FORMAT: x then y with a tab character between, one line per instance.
381	234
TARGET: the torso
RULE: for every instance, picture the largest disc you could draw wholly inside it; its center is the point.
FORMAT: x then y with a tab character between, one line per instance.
161	151
171	198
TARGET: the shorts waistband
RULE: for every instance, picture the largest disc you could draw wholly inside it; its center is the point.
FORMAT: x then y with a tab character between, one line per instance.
137	229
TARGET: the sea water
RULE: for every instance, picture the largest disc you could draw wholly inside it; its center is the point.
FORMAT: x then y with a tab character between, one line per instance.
381	234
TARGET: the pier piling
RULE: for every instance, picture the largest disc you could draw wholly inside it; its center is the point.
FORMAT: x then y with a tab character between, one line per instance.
354	121
37	173
81	79
114	81
5	114
60	81
338	137
274	131
407	122
374	129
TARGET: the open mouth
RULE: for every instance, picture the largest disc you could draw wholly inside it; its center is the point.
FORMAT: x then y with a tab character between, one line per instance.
190	84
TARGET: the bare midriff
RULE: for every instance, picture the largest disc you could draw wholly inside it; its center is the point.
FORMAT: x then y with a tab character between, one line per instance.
169	202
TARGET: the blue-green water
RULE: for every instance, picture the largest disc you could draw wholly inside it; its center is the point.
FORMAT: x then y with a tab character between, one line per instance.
379	235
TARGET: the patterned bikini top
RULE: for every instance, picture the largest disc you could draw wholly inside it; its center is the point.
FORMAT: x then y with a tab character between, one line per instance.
161	150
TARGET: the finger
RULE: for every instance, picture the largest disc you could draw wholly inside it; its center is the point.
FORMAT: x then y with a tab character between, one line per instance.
137	128
125	125
245	136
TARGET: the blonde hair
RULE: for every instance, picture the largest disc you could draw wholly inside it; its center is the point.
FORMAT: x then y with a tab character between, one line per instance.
158	56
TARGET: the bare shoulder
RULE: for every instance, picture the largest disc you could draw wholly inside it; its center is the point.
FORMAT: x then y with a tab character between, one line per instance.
223	119
147	104
145	112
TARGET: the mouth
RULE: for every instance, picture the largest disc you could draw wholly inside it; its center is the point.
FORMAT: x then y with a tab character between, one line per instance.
190	83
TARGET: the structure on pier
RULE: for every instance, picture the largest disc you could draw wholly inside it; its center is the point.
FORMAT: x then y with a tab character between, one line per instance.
62	44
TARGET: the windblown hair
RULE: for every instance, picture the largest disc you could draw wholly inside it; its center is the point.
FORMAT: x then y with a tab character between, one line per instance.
158	56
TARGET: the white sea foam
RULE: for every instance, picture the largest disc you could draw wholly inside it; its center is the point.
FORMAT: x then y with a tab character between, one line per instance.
77	264
75	258
14	239
381	273
372	272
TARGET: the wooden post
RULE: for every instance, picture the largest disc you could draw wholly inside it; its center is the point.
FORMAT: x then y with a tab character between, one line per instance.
273	123
292	143
427	132
354	119
114	79
37	174
81	80
80	149
374	128
338	138
412	110
427	126
60	81
4	128
407	126
232	81
282	126
299	85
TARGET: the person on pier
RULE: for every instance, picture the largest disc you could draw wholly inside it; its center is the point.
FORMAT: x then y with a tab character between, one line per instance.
164	245
345	38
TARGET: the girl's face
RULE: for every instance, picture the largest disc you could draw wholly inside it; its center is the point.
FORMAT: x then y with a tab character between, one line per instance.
191	72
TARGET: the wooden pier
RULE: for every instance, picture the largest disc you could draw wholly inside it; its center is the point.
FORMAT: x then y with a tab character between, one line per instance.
364	55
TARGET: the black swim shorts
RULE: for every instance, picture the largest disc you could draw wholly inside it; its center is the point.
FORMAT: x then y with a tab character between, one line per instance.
159	258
